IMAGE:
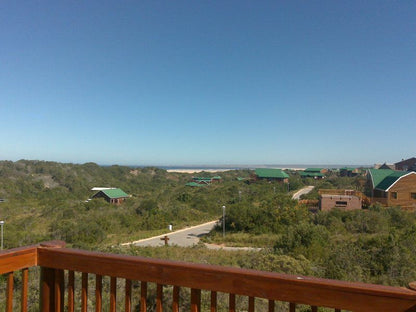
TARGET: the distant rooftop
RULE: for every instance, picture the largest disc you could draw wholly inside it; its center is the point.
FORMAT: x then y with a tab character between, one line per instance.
115	193
271	173
383	179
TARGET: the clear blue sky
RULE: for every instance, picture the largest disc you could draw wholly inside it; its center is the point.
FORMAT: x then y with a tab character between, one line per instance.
208	82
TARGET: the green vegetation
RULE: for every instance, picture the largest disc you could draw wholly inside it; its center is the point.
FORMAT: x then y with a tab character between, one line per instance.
48	200
375	245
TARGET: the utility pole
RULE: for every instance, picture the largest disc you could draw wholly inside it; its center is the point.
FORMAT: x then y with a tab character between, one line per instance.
223	221
1	224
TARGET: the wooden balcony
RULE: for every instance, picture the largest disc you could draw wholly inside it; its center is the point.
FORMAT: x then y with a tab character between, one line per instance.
72	280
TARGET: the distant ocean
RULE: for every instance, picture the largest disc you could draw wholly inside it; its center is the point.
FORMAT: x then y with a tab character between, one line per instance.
243	167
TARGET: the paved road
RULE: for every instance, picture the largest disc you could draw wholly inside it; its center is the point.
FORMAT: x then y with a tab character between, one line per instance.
186	237
302	191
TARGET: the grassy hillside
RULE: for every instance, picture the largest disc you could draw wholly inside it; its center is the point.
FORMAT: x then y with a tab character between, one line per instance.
47	200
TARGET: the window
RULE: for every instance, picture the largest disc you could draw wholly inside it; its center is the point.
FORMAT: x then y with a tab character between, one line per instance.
393	195
413	195
341	203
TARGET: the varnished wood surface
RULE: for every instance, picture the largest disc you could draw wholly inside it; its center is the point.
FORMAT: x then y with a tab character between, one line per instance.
18	258
143	296
25	286
175	299
213	301
159	298
84	292
113	294
251	304
271	306
71	291
290	288
23	257
98	293
9	296
195	300
127	296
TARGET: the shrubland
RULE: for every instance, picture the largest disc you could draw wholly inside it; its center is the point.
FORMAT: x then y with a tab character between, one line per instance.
48	200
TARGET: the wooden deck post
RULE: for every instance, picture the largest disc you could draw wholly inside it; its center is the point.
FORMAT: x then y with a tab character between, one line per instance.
51	284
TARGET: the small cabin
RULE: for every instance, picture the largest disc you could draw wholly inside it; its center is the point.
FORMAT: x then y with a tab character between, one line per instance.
271	175
392	188
349	172
406	164
112	195
347	202
316	173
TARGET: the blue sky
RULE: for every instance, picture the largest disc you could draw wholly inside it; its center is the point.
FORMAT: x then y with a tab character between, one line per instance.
208	82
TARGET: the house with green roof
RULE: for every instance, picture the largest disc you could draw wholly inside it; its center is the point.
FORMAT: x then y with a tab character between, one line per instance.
206	180
392	188
112	195
349	172
316	173
271	175
194	184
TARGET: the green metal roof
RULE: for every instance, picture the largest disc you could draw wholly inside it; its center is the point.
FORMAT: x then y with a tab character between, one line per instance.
115	193
271	173
216	178
384	178
311	174
194	184
201	179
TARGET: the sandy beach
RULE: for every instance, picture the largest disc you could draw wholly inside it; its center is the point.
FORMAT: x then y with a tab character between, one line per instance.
197	170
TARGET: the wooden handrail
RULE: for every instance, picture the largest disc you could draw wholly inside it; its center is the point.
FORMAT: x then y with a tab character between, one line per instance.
54	259
23	257
18	258
273	286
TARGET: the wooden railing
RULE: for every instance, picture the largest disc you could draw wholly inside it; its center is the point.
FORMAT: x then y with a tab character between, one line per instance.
60	268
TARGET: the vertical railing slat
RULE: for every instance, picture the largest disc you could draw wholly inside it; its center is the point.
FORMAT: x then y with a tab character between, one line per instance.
195	300
213	301
231	303
271	305
314	308
71	291
159	297
98	293
292	307
59	290
25	286
143	296
250	304
337	310
113	294
9	298
47	289
127	296
175	299
84	292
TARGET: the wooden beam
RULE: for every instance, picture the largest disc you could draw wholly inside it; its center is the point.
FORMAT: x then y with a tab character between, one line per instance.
268	285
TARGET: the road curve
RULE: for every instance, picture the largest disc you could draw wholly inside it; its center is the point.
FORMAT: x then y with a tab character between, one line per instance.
186	237
302	191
